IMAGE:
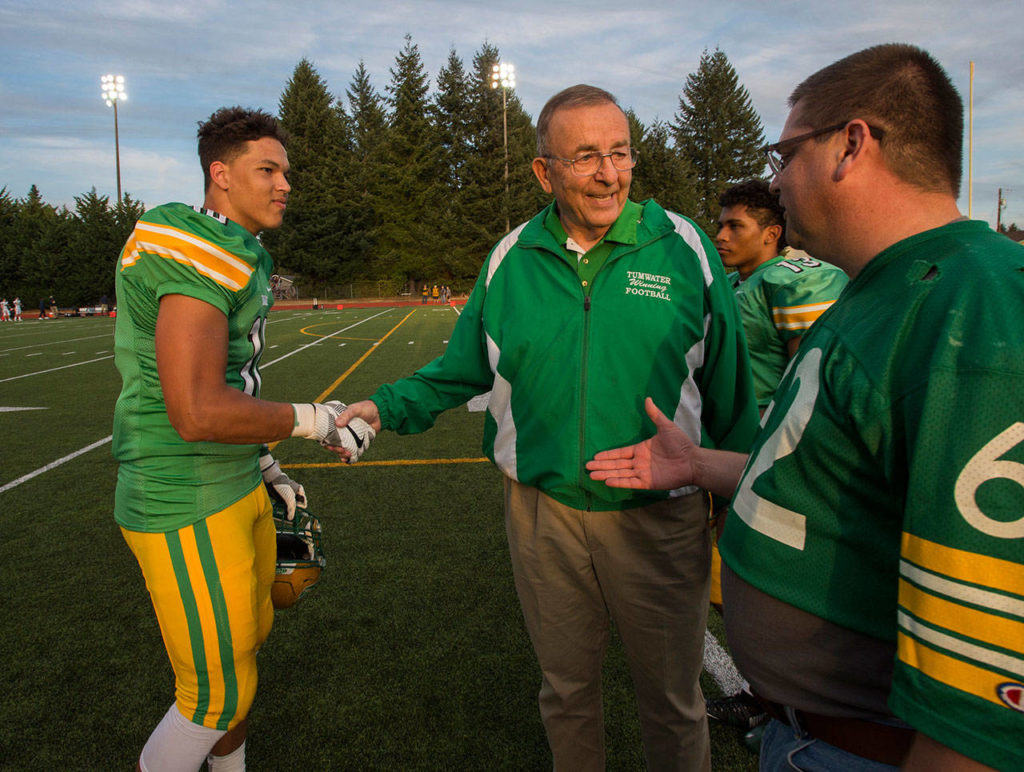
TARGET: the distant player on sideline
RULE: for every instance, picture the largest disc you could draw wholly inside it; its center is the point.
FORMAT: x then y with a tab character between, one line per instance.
193	292
17	309
779	299
878	523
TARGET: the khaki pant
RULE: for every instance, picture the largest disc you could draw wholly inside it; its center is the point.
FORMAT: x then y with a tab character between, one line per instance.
648	569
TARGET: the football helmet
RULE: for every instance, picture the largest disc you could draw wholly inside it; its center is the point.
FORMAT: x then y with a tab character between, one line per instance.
300	559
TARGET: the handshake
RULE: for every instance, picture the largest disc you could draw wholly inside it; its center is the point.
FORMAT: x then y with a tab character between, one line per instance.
316	421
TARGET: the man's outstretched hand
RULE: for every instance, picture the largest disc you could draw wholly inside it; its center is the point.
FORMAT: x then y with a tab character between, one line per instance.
663	462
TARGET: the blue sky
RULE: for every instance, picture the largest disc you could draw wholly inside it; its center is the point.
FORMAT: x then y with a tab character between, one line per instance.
183	60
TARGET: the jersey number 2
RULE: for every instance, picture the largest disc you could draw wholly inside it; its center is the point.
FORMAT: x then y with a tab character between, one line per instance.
764	516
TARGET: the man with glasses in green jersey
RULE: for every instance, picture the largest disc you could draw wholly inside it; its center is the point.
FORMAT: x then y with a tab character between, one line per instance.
576	315
877	522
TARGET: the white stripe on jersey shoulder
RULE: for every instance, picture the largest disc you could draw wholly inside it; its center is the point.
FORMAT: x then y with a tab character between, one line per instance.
689	233
223	220
499	252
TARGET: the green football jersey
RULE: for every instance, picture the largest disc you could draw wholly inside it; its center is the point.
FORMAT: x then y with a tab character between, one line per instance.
779	301
164	482
885	492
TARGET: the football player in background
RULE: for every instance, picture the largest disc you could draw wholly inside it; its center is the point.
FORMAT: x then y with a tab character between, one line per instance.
877	522
779	299
193	294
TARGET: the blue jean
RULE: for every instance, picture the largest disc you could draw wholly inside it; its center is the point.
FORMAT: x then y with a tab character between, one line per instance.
785	748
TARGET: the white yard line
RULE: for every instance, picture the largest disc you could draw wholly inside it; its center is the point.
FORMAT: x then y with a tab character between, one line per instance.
54	464
326	337
105	440
720	667
54	369
57	342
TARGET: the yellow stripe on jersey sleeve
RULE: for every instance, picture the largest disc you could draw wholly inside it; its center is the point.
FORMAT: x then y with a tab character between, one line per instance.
973	623
953	672
964	566
184	247
798	317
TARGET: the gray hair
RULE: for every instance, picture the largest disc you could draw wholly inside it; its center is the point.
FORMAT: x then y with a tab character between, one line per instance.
580	95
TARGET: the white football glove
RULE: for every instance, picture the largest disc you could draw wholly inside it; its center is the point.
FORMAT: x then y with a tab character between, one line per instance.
315	421
281	486
355	436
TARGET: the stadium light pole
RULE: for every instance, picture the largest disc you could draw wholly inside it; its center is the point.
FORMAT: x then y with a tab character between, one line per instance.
504	74
113	92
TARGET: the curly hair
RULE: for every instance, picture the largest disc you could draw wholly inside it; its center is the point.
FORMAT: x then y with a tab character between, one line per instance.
761	204
223	136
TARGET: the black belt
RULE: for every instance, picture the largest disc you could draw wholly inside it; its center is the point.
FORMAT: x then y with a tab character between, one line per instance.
871	740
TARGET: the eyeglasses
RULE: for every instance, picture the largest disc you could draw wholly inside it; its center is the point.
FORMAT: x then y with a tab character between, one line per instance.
589	164
777	153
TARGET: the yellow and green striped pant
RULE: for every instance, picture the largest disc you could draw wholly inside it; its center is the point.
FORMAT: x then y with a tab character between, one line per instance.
210	585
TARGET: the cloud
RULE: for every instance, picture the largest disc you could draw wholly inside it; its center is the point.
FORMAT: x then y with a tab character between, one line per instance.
185	59
146	175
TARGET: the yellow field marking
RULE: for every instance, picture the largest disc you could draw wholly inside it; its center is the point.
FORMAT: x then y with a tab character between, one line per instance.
362	359
397	462
356	364
307	331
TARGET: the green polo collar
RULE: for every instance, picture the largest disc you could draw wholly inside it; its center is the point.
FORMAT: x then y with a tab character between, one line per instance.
623	230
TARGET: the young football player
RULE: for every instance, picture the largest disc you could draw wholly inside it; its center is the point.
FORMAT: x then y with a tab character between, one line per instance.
193	294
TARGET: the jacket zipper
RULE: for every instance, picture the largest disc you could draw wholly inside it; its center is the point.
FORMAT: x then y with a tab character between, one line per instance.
585	360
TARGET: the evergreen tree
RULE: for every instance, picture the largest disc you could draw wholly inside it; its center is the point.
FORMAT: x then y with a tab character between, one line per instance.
661	173
526	197
484	181
95	241
38	246
450	115
9	263
311	239
45	250
717	131
368	128
126	214
412	188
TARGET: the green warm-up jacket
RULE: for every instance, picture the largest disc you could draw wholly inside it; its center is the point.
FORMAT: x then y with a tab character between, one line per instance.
569	363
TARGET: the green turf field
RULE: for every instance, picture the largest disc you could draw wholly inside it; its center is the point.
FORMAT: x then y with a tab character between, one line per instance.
410	654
